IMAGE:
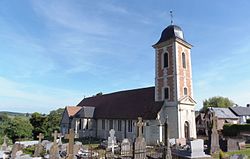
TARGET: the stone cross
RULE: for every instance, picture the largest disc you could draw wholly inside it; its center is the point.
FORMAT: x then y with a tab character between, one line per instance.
55	134
112	139
39	147
60	139
140	125
40	137
167	150
4	145
70	137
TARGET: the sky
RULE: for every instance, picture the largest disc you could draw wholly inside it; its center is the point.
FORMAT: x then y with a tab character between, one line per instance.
53	53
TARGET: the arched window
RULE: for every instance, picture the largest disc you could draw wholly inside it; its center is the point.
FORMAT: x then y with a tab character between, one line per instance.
185	91
166	93
187	130
165	60
183	60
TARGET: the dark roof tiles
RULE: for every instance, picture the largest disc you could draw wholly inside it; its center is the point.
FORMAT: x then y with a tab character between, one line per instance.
128	104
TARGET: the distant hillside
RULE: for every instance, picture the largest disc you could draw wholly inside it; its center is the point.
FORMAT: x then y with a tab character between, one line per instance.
14	114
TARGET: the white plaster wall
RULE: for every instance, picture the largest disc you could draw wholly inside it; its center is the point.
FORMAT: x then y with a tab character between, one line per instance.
187	113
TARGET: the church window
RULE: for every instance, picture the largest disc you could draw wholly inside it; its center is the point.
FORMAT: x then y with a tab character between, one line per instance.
111	124
185	91
103	124
183	60
165	60
130	125
166	93
119	125
87	124
80	124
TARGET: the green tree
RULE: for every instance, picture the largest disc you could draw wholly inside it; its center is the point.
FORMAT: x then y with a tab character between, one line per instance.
53	121
217	101
19	128
4	123
37	120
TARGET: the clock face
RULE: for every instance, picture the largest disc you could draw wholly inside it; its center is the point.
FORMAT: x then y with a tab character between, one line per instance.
179	33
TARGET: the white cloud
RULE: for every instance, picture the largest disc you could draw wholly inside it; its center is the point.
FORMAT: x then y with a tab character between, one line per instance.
34	97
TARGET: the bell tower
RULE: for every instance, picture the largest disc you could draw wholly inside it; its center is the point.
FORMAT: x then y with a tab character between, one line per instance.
173	82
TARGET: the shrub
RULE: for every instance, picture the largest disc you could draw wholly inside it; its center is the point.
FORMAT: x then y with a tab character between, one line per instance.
248	121
234	129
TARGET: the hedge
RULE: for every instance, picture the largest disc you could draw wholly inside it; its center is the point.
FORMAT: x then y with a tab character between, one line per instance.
235	129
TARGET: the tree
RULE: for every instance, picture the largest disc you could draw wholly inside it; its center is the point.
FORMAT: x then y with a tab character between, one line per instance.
37	120
19	128
53	121
217	101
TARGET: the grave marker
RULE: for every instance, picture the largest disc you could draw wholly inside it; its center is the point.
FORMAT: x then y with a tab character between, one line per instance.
140	143
4	145
70	150
39	147
54	152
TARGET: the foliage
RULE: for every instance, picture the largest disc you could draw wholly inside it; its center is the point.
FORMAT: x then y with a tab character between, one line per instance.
217	101
52	121
29	150
37	120
223	155
4	123
19	128
248	121
234	129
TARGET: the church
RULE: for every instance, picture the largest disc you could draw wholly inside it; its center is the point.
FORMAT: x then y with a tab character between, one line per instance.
170	99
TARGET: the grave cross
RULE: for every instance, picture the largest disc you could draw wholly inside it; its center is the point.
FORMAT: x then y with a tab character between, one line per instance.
70	137
140	125
40	137
112	138
4	145
55	134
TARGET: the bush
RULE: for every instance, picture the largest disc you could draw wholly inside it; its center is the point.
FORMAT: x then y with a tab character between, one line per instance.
234	129
248	121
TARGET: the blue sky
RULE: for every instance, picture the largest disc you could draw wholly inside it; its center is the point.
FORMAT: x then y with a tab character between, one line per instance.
55	52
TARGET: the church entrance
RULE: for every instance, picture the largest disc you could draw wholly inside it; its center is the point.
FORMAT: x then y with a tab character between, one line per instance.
187	130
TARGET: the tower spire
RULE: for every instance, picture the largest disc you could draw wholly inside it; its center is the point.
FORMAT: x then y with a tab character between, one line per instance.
171	16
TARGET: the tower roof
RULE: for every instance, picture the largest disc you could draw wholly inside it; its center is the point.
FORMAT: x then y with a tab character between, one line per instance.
172	31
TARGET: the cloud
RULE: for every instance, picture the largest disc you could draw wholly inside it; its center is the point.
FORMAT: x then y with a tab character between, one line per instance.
66	15
34	97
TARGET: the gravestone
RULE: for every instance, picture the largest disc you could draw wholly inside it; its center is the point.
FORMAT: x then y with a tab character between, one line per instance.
16	147
112	141
4	145
197	148
214	138
126	149
140	143
54	152
39	146
70	149
167	150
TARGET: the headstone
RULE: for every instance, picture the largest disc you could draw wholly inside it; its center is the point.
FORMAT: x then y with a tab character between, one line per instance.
167	150
232	145
54	152
239	157
214	138
126	149
39	147
60	139
16	147
140	143
70	150
242	145
197	148
180	142
4	145
112	141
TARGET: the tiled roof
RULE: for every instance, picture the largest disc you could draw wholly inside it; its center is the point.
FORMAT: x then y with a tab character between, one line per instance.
128	104
224	113
241	111
72	110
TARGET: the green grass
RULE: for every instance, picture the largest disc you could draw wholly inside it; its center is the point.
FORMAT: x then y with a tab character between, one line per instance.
240	152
